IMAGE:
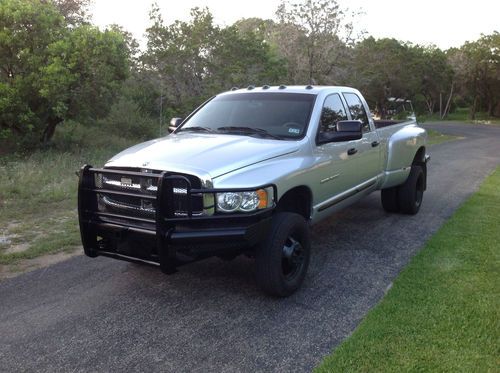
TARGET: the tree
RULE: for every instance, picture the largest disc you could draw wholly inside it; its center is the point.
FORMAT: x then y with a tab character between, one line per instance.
382	69
194	60
51	72
477	66
75	12
317	32
436	76
242	59
179	53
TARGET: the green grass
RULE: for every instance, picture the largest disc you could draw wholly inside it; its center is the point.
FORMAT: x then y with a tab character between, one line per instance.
38	192
461	115
443	312
436	137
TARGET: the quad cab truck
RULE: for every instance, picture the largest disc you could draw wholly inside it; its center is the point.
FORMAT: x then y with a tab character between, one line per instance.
248	172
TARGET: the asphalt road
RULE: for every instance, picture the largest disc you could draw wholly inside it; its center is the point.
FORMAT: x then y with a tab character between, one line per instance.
105	315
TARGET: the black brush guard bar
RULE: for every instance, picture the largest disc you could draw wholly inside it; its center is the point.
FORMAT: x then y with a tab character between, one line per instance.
161	226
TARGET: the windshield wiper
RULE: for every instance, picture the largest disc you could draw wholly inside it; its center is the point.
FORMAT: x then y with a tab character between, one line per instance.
249	131
197	129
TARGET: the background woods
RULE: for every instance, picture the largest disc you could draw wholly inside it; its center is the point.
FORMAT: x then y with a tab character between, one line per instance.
57	70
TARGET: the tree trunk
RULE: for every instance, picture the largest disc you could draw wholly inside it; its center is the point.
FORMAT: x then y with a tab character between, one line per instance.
473	108
50	129
430	105
490	107
440	104
448	103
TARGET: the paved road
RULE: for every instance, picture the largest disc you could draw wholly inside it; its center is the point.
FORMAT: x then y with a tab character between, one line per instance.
104	315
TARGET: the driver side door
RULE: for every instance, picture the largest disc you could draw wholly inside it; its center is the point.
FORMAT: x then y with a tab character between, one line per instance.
334	163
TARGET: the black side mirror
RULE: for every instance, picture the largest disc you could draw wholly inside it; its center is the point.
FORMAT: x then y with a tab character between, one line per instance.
346	130
174	123
352	127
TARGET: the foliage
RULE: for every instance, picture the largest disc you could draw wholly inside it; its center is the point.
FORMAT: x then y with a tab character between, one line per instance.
51	72
477	70
193	60
55	67
316	34
75	12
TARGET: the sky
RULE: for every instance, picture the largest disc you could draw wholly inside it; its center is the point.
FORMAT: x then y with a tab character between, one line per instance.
444	23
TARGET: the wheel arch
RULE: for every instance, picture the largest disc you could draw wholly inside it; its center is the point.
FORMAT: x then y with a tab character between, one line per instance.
419	160
297	200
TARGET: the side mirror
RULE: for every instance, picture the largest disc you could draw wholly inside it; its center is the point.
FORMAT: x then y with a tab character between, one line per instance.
174	123
352	127
347	130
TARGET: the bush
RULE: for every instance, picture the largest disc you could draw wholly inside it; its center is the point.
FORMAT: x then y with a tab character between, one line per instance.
126	119
75	137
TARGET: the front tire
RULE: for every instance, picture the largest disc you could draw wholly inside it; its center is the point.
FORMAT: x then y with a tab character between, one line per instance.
281	262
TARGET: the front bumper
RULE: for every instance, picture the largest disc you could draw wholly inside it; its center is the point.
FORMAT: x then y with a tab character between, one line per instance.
167	240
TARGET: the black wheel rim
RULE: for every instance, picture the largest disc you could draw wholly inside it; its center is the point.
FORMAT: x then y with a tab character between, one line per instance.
419	191
292	258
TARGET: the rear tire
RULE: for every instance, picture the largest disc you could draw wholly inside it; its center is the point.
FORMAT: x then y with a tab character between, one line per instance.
390	199
411	193
281	261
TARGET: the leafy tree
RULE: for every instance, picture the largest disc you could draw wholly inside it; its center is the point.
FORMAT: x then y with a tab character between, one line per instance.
51	72
179	53
190	61
75	12
436	77
477	66
317	32
242	58
381	69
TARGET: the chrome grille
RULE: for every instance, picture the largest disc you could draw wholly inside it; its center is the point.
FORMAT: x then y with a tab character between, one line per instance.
136	206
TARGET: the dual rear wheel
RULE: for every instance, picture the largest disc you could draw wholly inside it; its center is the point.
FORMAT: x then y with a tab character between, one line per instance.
406	198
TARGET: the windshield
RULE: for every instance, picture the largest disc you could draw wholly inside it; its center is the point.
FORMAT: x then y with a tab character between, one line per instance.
270	114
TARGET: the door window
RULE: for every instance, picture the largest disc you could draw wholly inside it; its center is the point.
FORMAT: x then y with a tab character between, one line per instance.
357	110
333	111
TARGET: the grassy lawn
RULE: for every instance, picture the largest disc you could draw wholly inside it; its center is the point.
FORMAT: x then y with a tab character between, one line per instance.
461	115
443	312
436	137
38	212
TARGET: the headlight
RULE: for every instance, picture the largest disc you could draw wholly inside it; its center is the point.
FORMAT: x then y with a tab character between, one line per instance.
229	202
244	201
249	201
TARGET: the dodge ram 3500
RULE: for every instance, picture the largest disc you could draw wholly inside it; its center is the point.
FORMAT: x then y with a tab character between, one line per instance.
248	172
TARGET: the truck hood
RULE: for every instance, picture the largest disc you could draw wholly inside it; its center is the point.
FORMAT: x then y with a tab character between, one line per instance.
209	154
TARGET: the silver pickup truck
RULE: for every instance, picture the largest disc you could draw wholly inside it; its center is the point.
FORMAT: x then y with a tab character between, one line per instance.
248	172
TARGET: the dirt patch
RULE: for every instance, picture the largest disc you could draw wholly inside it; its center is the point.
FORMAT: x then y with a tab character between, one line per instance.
17	248
27	265
5	240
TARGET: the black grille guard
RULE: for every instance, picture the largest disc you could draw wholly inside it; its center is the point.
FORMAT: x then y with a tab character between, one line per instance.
165	217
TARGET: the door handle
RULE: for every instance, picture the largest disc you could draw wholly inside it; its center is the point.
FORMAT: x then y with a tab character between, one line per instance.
375	143
352	151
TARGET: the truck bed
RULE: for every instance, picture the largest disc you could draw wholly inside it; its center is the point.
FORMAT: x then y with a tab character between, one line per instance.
387	122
